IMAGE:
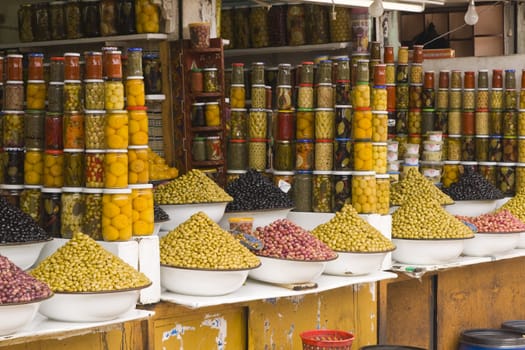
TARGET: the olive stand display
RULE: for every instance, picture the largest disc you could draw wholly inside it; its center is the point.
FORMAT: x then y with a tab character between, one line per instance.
187	130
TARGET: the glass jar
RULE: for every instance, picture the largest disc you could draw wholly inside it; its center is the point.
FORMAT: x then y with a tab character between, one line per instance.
34	126
379	126
197	114
317	24
343	154
116	129
362	124
31	201
72	66
108	17
488	170
383	194
284	156
302	191
324	123
442	99
116	214
257	154
284	97
198	149
495	148
138	126
510	100
93	65
212	114
325	95
94	94
454	122
91	18
112	60
116	168
340	29
114	94
13	166
342	187
277	25
521	122
152	74
73	20
73	129
125	17
482	148
343	94
40	25
450	173
94	129
135	91
482	99
402	74
53	131
496	99
363	156
238	123
521	150
147	19
56	69
237	96
415	96
258	20
482	123
496	122
51	211
305	96
323	154
14	67
510	149
379	156
227	31
55	97
360	29
13	129
361	96
72	95
94	165
379	99
142	209
237	155
14	95
305	124
213	148
257	124
210	80
343	121
33	166
258	96
364	193
506	178
467	123
237	75
138	166
510	123
322	188
295	24
468	148
25	23
73	167
72	211
35	68
304	154
92	218
53	168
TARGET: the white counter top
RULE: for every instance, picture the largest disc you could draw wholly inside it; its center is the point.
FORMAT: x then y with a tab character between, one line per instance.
254	290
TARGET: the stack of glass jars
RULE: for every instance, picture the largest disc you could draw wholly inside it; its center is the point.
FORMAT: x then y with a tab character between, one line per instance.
402	100
390	82
509	131
415	96
257	146
520	168
241	125
496	105
467	130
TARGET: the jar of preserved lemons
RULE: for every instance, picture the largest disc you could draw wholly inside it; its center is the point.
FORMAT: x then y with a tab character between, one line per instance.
138	166
364	192
117	130
116	214
383	194
36	94
53	168
362	124
116	168
138	126
113	94
147	17
135	95
33	166
142	209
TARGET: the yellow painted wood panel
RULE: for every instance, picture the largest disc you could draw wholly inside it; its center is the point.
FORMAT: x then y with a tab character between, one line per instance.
202	329
478	296
276	323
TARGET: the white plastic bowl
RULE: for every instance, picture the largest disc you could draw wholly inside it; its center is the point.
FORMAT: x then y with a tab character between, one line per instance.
521	242
354	264
282	271
89	307
156	226
181	212
14	317
427	251
23	255
260	217
201	282
309	221
471	208
487	244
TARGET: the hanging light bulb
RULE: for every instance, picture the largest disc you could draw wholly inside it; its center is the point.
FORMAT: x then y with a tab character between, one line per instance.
471	16
376	8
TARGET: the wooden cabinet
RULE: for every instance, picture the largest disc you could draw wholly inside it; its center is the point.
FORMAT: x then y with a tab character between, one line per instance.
184	58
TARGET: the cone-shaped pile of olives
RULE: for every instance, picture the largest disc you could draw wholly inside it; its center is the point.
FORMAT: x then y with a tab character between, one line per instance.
253	191
348	232
516	205
415	184
200	243
159	214
472	186
502	221
420	218
83	265
192	187
18	226
17	286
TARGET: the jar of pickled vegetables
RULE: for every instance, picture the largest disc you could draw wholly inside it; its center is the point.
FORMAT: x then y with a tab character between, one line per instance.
442	99
496	99
40	21
94	94
152	73
510	149
35	69
284	97
379	126
383	194
116	129
114	94
13	129
214	148
212	114
482	99
13	166
295	23
364	192
454	122
324	154
56	69
305	96
343	154
92	218
482	123
450	173
53	168
116	168
14	67
72	95
521	122
324	123
138	172
94	165
322	188
362	124
74	167
210	80
302	191
342	187
53	131
72	66
343	121
488	170
14	95
51	211
496	122
73	128
343	93
379	99
415	96
72	211
257	124
147	19
91	18
238	123
112	64
117	214
25	23
198	149
237	96
521	149
33	166
237	155
284	156
257	154
402	97
361	96
467	123
325	95
258	96
94	123
31	201
506	178
304	154
510	123
55	97
495	148
135	93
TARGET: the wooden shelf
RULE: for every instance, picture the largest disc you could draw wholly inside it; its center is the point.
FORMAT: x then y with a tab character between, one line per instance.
101	39
287	49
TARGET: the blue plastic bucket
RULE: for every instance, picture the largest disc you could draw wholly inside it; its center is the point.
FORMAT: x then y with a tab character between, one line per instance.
390	347
488	339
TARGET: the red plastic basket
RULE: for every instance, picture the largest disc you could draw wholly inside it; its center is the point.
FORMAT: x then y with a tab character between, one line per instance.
321	339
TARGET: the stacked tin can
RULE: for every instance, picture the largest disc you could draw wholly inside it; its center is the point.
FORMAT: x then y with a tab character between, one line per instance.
304	134
343	135
241	125
258	146
520	168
